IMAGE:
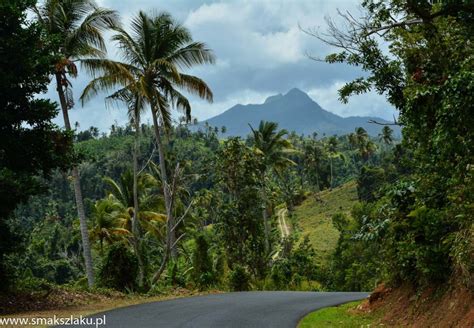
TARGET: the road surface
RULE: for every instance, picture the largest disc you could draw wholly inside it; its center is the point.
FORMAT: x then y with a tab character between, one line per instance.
231	310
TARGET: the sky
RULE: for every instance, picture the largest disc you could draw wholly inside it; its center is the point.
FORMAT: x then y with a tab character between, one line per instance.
260	51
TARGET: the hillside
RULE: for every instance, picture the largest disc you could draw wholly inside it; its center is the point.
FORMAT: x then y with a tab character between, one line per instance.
294	111
313	217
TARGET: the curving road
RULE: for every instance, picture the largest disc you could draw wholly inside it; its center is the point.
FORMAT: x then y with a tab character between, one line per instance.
242	310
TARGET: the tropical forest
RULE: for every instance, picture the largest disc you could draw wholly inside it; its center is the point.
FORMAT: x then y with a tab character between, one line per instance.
197	226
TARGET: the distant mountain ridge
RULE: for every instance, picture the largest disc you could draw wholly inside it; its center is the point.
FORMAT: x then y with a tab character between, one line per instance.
294	111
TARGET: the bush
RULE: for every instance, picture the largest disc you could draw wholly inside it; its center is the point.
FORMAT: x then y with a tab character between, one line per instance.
281	273
118	269
176	277
203	274
239	279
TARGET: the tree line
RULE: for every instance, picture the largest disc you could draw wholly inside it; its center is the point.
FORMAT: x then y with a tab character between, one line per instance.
146	207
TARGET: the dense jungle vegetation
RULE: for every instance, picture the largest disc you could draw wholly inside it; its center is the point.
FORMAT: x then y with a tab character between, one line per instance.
144	208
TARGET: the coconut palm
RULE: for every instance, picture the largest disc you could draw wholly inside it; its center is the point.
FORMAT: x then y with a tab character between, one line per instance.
333	153
353	140
122	192
386	136
135	105
107	225
154	53
275	148
78	26
365	145
367	149
361	135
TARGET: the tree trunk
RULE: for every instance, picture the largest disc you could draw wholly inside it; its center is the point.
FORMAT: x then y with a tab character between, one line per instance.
77	191
170	234
135	227
267	229
330	164
265	218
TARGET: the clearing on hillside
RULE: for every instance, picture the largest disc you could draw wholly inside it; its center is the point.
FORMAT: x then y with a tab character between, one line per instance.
313	217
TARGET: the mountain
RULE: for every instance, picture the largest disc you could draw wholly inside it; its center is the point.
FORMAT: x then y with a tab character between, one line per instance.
294	111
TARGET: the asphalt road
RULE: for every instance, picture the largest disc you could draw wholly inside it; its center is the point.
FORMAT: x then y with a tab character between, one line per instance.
242	310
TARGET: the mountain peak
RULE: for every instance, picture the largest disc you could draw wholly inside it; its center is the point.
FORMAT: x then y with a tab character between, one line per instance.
296	93
273	98
293	111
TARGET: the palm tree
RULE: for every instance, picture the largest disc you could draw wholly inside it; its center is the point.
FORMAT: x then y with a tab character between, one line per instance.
78	26
123	192
153	55
353	140
333	153
107	225
367	149
361	135
365	145
135	105
386	136
314	156
275	148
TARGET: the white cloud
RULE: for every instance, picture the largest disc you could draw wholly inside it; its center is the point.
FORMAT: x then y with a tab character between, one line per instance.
203	110
369	104
260	51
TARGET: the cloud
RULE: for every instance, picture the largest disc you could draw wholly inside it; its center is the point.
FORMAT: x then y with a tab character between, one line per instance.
260	51
369	104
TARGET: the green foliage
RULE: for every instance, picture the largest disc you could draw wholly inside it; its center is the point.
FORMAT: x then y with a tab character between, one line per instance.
289	270
370	180
354	266
239	217
428	77
31	146
239	278
119	268
203	273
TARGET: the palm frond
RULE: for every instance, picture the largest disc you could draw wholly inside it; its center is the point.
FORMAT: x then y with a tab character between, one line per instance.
197	86
195	53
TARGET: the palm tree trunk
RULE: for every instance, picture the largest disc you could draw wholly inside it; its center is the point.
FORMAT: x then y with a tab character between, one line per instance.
135	228
330	164
170	235
265	219
267	230
77	191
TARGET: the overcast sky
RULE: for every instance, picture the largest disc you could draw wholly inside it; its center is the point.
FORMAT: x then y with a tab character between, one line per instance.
260	51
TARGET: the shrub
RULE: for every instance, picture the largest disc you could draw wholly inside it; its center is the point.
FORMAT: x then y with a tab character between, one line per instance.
239	279
119	268
281	273
203	274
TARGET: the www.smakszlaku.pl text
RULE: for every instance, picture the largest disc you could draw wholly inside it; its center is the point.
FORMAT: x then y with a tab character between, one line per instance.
54	321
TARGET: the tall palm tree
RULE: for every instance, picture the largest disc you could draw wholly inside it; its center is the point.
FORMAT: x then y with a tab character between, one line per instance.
367	149
135	104
365	145
386	136
275	148
361	135
153	54
78	26
333	153
353	139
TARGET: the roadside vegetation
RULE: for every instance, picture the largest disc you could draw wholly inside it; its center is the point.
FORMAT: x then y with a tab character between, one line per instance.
345	315
145	209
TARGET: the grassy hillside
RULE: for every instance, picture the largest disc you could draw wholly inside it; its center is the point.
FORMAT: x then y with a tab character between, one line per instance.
313	217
